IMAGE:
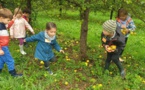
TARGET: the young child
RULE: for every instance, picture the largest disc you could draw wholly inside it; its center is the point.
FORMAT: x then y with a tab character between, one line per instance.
26	14
17	30
46	39
5	56
111	36
124	21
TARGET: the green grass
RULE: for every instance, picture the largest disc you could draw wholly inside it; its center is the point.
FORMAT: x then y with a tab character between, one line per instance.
71	73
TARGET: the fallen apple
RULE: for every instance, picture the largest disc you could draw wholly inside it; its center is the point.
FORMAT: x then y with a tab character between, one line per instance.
41	62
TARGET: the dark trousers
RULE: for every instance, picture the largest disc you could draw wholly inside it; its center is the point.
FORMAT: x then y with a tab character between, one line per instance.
126	38
46	63
115	58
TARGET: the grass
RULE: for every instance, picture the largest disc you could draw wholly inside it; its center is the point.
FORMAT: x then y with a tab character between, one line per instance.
71	73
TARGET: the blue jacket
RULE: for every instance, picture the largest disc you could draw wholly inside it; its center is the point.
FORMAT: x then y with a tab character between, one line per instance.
44	48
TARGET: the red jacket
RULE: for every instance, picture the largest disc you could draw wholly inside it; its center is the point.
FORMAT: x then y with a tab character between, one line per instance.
4	36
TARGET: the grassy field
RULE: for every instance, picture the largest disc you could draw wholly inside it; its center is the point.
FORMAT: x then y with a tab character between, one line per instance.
70	72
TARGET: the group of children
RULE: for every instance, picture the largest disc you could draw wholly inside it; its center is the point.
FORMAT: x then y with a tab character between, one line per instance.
18	25
111	35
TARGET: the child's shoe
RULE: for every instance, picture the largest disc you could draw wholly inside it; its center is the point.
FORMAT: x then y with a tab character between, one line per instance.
49	71
23	52
0	70
14	74
123	73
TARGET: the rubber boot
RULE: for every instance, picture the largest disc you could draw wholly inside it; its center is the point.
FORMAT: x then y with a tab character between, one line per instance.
22	50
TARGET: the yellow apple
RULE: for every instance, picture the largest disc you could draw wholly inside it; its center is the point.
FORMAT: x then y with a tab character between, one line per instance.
41	62
66	83
113	47
109	48
124	31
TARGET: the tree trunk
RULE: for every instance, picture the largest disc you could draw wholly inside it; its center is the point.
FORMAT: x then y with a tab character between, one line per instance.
29	7
84	32
112	10
60	9
111	13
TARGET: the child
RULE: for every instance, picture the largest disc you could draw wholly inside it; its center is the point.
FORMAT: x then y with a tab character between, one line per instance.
5	56
26	14
111	35
124	21
17	30
46	39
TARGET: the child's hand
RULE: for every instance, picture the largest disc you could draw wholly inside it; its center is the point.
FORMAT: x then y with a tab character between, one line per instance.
123	26
33	32
61	51
2	52
108	49
24	40
127	31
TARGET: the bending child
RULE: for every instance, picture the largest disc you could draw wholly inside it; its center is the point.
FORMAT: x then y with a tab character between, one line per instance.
5	56
46	39
113	41
18	31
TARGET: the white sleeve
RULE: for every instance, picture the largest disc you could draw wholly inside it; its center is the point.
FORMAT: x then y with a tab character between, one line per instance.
28	26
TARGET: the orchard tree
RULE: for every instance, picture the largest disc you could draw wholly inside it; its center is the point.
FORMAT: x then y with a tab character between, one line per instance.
84	6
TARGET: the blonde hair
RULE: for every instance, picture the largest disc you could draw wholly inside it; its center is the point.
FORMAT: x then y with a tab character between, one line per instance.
6	13
17	11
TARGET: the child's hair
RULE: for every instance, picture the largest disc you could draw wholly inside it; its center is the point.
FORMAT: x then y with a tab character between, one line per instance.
122	11
50	25
26	10
17	11
6	13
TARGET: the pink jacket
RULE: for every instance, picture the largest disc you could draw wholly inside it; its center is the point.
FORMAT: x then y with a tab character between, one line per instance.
18	29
